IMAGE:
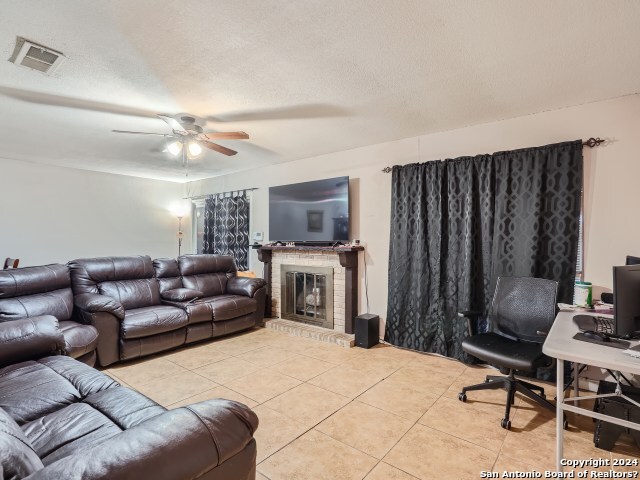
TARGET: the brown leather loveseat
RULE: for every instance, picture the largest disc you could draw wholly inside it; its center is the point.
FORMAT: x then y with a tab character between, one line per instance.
61	419
46	290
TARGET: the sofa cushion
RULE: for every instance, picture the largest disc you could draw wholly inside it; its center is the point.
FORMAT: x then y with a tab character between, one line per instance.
210	440
18	459
88	273
129	280
125	407
197	312
82	425
207	273
147	321
166	267
62	432
79	339
209	284
29	339
169	284
167	273
31	280
227	307
181	294
138	293
29	390
206	263
58	303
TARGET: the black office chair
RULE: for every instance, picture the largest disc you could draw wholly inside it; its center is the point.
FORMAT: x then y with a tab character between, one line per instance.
521	314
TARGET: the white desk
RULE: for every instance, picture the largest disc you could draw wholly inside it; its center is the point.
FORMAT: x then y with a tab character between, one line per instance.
561	345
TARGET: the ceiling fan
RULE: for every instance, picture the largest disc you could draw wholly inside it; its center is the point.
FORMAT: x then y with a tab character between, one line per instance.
189	135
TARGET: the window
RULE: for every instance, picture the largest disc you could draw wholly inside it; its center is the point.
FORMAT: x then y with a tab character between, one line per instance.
228	233
198	225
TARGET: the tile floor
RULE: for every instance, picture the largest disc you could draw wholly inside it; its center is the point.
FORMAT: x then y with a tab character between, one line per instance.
327	412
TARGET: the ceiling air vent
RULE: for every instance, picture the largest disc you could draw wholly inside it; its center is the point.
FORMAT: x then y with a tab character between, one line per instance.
36	57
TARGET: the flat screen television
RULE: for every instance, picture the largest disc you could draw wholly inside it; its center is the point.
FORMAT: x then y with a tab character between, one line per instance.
315	211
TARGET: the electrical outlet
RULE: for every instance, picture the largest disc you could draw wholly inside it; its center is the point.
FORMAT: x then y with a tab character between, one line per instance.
257	236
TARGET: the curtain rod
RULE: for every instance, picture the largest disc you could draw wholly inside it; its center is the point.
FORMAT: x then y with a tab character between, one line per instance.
592	142
197	197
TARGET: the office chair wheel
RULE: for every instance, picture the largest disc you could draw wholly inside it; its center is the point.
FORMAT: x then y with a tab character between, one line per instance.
462	397
506	424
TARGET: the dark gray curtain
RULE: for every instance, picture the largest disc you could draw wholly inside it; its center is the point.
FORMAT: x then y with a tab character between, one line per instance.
457	225
226	227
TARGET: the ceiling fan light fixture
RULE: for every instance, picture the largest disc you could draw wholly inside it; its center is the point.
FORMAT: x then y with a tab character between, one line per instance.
175	148
194	149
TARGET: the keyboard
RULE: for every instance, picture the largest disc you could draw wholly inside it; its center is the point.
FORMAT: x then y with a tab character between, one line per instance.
595	324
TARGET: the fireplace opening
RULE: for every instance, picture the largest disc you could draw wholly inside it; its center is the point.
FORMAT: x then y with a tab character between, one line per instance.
307	295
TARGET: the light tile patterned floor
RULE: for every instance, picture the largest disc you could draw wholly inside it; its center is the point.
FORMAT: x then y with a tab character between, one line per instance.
327	412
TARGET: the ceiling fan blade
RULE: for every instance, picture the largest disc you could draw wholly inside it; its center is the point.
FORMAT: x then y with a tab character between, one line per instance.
174	124
70	102
227	135
141	133
283	113
217	148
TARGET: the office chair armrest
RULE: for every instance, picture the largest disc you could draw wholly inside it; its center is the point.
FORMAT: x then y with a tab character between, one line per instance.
471	317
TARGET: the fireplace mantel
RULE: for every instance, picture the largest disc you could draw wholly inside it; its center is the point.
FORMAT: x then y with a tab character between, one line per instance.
343	248
348	258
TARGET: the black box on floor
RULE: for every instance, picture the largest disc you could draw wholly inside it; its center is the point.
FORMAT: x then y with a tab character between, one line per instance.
367	330
606	434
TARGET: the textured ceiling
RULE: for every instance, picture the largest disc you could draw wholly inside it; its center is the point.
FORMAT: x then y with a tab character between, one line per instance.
302	77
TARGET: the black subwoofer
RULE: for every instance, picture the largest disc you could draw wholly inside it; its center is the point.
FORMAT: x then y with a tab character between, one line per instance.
367	330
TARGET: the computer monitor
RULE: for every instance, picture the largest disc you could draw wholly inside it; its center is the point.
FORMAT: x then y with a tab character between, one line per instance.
633	260
626	299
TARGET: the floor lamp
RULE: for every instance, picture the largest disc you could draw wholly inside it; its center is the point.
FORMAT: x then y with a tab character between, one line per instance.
179	234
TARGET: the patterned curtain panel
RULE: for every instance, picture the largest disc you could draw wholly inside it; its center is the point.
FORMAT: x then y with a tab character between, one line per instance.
457	225
226	227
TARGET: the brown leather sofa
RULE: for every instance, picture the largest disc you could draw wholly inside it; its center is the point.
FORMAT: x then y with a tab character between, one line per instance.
46	290
61	419
139	310
207	288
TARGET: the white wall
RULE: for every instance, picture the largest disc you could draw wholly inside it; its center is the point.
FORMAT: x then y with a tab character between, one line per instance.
52	214
612	181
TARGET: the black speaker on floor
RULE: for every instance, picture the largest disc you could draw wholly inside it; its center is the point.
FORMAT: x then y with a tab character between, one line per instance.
367	330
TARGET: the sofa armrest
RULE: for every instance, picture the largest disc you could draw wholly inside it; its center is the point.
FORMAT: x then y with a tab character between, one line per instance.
244	286
29	338
94	303
184	443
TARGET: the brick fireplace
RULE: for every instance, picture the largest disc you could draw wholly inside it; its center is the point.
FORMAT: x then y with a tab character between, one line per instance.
310	267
